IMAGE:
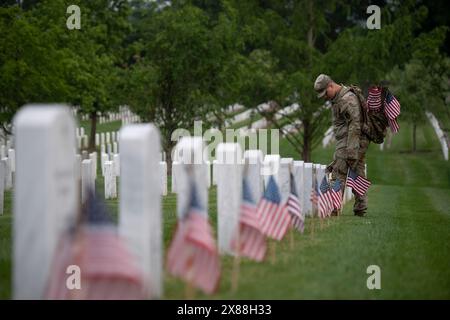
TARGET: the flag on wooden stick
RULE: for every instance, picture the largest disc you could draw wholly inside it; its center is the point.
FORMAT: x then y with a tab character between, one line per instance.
273	216
294	209
358	183
250	242
94	250
193	255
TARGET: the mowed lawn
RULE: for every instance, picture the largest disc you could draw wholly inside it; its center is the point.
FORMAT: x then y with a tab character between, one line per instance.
405	233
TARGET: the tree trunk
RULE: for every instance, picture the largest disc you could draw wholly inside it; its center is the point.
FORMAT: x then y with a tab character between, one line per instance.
414	132
93	116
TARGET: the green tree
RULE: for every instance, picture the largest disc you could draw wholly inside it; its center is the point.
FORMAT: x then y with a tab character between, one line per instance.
180	67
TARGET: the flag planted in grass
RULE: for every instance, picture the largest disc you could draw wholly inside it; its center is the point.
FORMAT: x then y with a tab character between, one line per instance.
336	194
325	199
108	271
273	216
358	183
193	255
250	242
293	206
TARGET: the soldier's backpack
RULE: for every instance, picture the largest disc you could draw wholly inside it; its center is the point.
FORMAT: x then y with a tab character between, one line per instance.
375	122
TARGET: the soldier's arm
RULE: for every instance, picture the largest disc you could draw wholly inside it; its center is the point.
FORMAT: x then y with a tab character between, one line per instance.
352	112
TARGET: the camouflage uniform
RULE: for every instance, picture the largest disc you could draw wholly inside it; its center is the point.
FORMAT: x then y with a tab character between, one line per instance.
351	144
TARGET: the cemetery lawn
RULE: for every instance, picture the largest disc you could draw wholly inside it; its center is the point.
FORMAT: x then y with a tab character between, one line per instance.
406	233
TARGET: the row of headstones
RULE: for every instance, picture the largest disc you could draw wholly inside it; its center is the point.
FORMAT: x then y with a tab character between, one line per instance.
125	115
7	172
46	197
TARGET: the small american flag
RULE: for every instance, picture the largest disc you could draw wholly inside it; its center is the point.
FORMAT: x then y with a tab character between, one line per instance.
325	201
374	98
274	218
193	255
252	242
336	194
293	205
392	111
108	270
358	183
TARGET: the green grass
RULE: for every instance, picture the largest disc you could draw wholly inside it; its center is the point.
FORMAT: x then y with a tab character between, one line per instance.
406	233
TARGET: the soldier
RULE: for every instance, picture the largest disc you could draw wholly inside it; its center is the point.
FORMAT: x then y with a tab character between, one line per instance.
351	143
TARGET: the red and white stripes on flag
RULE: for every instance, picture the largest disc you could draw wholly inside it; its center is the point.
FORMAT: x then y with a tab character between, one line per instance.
374	98
250	242
297	219
193	255
358	183
391	106
108	271
293	207
273	216
392	111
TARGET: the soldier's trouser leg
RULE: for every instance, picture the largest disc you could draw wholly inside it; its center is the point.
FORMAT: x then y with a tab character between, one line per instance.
360	205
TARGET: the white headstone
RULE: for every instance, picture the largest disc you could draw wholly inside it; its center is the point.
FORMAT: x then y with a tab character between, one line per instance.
115	150
190	154
81	131
45	197
253	159
85	141
12	159
229	193
116	160
102	138
110	181
97	139
8	175
102	149
78	166
163	174
103	159
87	184
140	220
285	178
93	157
108	137
2	151
297	172
271	166
307	187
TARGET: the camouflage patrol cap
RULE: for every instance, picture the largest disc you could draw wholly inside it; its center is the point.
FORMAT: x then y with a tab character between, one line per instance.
321	83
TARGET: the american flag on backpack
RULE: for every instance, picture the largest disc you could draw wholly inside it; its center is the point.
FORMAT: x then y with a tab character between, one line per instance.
391	106
358	183
392	111
374	98
293	206
273	216
193	255
250	242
